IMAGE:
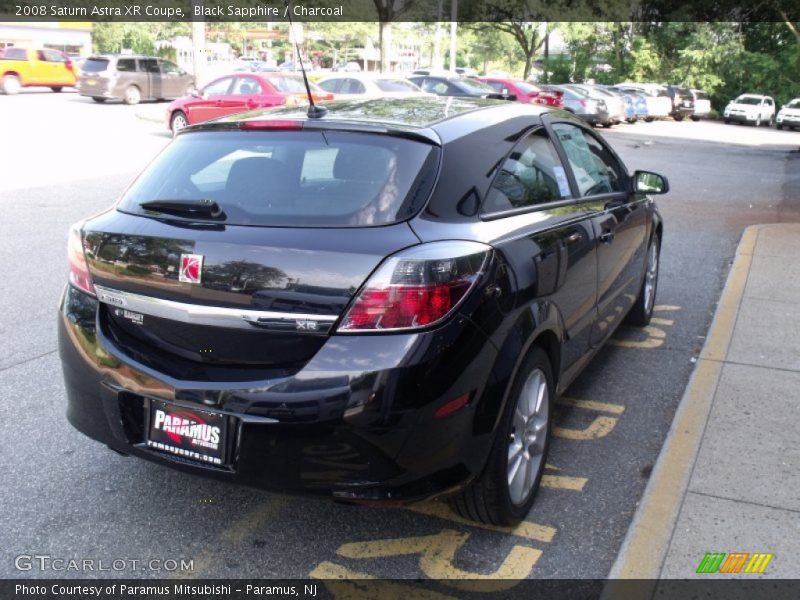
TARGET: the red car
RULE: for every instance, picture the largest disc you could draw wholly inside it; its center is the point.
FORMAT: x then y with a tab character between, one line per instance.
525	92
240	92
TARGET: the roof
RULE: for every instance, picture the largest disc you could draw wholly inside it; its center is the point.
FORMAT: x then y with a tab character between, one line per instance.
416	113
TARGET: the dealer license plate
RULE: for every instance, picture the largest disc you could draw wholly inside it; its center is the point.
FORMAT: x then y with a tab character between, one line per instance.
190	433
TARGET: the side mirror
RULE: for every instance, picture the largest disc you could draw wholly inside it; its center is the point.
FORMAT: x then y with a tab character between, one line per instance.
196	93
650	183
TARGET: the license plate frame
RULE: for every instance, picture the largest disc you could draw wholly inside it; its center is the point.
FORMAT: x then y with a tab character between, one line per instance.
194	434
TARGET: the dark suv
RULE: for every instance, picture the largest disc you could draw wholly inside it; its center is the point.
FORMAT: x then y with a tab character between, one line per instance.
379	305
132	78
682	102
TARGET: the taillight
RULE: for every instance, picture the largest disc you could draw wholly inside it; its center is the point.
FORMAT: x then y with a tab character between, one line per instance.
417	287
78	269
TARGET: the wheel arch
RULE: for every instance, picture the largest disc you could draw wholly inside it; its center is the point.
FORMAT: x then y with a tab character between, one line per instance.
542	326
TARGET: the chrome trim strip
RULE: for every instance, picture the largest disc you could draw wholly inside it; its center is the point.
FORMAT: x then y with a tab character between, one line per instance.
215	316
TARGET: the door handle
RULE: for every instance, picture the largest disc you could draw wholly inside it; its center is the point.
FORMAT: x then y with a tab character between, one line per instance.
607	237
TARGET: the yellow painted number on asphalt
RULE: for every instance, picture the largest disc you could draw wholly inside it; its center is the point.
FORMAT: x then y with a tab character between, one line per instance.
653	337
600	427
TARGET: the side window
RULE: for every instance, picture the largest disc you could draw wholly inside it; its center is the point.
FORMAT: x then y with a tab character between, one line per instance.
126	64
149	65
170	68
246	86
53	56
595	168
532	174
495	85
331	85
353	86
217	88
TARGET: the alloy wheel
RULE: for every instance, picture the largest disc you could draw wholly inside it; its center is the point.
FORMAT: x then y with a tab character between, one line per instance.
528	437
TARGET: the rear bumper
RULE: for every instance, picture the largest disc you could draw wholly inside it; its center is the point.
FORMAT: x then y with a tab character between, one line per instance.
356	422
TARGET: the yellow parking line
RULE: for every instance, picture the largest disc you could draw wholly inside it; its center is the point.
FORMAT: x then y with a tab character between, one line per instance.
562	482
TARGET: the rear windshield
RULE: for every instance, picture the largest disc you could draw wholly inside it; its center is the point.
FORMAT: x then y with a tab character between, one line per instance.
292	178
794	103
701	95
396	85
94	65
748	100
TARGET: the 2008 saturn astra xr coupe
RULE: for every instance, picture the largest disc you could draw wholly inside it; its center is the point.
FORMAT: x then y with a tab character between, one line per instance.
379	304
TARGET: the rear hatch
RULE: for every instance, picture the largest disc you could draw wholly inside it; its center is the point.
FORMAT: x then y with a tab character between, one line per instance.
245	247
95	75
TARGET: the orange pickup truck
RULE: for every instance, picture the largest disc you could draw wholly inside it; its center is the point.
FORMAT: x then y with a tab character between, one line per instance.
20	67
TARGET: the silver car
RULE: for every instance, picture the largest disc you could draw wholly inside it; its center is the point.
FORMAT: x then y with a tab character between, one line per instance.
132	78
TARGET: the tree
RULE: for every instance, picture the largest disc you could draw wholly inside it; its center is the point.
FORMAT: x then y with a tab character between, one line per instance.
388	10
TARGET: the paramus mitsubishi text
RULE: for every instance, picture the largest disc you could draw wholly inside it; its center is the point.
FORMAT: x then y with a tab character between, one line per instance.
378	304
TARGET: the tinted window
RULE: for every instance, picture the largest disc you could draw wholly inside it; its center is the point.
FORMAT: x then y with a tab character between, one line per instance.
437	86
125	65
149	65
15	54
94	65
794	103
246	86
532	174
754	100
472	87
217	88
395	85
595	168
300	179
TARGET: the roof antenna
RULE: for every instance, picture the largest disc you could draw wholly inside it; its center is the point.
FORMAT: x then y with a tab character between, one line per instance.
314	111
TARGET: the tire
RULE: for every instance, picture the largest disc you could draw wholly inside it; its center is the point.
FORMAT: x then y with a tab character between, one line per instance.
98	99
758	122
778	126
133	95
727	121
649	119
678	118
695	119
771	120
491	498
607	125
178	121
11	85
642	310
56	88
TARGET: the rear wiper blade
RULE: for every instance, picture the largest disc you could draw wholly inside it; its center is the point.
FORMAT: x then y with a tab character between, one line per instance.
199	207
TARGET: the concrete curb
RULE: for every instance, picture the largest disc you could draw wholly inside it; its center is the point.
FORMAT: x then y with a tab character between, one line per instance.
645	546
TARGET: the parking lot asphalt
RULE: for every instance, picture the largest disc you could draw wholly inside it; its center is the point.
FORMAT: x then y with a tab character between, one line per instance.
66	496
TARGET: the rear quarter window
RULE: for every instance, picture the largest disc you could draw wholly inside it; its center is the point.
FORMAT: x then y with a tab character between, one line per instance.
293	179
